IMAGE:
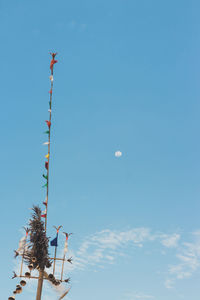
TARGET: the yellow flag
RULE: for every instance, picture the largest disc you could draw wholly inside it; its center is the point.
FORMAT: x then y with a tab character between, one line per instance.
47	156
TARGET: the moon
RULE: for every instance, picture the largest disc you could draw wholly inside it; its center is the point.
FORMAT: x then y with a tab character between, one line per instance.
118	153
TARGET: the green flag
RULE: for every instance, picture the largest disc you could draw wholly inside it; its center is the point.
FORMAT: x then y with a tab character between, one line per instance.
44	185
45	176
47	132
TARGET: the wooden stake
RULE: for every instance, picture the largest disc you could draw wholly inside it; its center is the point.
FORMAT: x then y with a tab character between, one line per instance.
54	262
64	294
62	268
21	269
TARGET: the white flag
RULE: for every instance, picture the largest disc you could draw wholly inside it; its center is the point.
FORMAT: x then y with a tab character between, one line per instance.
22	244
66	246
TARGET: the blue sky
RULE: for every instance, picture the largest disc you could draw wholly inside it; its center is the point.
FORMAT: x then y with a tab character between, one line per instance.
127	79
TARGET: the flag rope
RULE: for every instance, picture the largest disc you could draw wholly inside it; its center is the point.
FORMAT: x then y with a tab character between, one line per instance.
49	136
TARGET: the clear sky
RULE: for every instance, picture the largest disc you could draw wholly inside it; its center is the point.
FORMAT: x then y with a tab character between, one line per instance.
127	79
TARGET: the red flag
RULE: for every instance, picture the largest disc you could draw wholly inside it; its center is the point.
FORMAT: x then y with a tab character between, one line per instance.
44	214
48	123
53	61
50	92
46	165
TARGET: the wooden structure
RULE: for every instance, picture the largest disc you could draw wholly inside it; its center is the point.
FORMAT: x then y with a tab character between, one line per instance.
21	252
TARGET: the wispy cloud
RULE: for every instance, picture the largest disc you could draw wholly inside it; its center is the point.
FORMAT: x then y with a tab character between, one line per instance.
105	246
109	246
188	256
170	241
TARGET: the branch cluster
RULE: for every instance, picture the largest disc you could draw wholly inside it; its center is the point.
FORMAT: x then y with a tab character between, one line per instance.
37	255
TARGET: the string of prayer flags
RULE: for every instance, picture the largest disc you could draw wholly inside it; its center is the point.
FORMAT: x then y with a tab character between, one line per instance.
48	123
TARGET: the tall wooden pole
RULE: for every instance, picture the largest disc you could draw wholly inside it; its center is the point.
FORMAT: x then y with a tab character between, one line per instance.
40	284
41	272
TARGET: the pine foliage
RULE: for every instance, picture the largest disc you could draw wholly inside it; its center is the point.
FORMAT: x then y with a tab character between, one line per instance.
37	254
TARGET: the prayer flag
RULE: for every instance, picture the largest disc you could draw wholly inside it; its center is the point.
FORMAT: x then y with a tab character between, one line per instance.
44	214
66	246
53	61
54	242
22	244
45	203
46	143
48	123
47	156
46	165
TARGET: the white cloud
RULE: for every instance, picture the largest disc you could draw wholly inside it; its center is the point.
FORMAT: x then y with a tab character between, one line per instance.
170	241
104	246
169	283
188	256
